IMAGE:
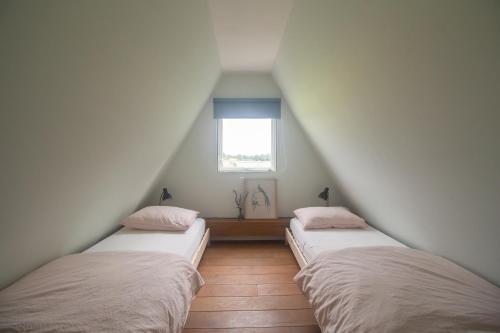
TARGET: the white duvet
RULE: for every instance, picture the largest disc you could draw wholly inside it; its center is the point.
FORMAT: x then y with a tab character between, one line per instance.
102	292
395	289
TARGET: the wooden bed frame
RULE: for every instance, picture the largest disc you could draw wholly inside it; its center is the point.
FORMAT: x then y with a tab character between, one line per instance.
195	260
295	248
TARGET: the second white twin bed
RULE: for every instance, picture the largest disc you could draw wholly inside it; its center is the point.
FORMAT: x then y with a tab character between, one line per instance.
312	242
358	279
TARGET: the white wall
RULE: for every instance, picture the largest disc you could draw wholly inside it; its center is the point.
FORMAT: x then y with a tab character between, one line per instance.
192	175
95	97
402	100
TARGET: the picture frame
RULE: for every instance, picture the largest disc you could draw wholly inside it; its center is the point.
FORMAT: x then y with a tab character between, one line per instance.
261	200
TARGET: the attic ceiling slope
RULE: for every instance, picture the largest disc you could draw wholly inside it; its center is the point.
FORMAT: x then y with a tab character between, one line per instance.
248	33
96	96
401	98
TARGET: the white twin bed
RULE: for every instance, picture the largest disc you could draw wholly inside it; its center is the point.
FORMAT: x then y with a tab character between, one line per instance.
132	281
308	244
361	280
314	241
189	244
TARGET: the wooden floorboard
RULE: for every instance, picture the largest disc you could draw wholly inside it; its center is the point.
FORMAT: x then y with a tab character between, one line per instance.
248	278
249	253
249	289
278	289
249	269
234	319
228	290
288	302
238	261
282	329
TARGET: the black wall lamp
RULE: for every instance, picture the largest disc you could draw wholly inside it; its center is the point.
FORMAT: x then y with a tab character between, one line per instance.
164	196
325	196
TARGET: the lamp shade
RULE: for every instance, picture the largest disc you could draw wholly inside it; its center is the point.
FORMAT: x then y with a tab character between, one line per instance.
324	194
165	195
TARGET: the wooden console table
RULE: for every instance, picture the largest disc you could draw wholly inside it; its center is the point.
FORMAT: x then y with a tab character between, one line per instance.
247	229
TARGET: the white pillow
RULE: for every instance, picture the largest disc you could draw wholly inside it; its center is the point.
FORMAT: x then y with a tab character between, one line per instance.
328	217
161	218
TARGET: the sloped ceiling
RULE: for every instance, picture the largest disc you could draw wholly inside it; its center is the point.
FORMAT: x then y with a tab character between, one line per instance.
248	33
401	99
95	96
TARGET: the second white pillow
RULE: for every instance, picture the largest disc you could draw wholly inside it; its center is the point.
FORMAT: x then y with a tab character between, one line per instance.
328	217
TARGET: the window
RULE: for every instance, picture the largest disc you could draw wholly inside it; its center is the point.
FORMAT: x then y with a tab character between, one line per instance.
246	133
247	145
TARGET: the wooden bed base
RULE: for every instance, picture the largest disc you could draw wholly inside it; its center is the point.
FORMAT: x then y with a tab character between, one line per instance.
295	248
201	249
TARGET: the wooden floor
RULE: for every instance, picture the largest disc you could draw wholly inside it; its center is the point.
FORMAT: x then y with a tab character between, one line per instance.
249	288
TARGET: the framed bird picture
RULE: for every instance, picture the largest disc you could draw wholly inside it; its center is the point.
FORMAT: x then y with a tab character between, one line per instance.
261	199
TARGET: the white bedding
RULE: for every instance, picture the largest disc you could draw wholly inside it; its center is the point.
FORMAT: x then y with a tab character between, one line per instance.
395	289
183	243
112	292
313	242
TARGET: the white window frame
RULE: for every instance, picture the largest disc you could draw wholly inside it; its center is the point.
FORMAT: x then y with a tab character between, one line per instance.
274	128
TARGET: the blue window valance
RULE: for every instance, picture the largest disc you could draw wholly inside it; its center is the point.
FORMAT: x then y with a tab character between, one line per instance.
250	108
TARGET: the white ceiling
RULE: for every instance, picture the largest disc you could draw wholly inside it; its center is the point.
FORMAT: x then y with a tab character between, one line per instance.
249	32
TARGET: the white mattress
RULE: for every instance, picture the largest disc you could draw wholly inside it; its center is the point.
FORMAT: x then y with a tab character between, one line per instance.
313	242
183	243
